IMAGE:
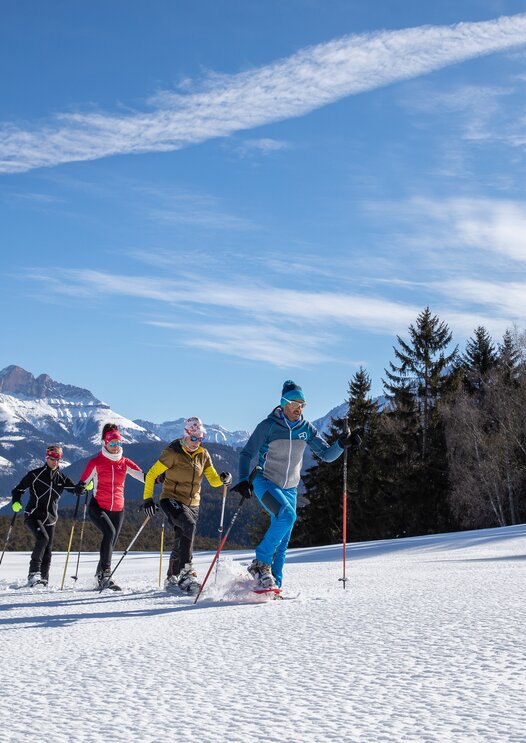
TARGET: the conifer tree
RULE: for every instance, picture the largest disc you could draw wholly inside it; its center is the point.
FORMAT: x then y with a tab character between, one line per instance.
366	512
508	354
424	370
320	521
423	375
479	358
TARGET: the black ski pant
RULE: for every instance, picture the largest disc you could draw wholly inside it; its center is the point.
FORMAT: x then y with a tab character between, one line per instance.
109	523
41	555
184	521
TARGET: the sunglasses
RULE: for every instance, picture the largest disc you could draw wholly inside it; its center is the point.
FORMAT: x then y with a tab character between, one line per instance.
114	443
296	405
197	438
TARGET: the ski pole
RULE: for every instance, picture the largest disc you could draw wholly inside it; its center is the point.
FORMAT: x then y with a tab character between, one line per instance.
220	529
161	553
344	508
8	535
221	545
75	577
70	542
110	576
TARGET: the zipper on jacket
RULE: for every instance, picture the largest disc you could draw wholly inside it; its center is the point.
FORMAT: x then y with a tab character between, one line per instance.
193	478
290	456
50	493
112	485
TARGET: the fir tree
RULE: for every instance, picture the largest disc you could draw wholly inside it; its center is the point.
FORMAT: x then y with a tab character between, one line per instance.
479	358
320	521
508	354
423	375
424	371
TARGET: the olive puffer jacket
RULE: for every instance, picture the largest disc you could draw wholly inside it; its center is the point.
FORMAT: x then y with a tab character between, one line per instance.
183	473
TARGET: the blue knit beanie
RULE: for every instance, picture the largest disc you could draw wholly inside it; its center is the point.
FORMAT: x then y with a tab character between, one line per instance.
291	391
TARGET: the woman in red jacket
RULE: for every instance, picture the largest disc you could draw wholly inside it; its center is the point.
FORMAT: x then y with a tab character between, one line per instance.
108	472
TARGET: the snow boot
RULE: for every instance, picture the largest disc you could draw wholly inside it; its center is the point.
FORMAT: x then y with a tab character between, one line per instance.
35	579
171	583
187	580
262	573
105	582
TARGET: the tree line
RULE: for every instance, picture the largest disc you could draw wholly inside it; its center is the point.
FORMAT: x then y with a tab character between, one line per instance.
445	450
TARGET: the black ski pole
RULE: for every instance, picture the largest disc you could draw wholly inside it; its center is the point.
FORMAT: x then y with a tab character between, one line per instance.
110	576
8	535
75	577
221	545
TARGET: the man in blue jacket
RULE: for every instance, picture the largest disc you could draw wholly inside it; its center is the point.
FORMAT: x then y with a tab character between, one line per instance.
279	443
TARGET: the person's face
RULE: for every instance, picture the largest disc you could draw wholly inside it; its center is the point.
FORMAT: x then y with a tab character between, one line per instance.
52	462
191	443
294	409
114	446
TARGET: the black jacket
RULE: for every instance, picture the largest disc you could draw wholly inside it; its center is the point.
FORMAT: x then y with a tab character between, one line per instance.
45	488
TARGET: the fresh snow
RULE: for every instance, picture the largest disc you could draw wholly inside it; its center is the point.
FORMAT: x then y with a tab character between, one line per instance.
425	644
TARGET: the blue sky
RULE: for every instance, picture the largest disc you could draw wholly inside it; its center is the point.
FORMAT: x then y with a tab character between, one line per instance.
201	200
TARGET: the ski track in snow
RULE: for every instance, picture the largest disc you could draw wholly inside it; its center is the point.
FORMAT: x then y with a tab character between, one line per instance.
425	644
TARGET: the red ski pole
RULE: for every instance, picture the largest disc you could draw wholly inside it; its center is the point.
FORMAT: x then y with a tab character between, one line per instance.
344	510
221	545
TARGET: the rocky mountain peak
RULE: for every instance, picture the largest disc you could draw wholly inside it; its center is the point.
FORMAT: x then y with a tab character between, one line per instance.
17	381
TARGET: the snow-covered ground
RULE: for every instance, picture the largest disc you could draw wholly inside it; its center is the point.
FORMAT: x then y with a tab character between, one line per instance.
426	643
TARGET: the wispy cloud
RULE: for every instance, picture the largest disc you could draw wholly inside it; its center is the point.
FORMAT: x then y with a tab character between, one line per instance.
258	321
498	226
507	299
464	230
278	346
311	78
263	146
375	314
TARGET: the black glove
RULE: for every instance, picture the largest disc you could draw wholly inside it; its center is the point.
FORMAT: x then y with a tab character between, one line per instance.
244	488
351	440
226	478
80	488
150	507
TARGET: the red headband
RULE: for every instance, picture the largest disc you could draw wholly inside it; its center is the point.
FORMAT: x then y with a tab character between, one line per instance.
111	436
53	454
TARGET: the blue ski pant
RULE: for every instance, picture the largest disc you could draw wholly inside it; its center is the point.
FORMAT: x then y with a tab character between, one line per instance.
280	504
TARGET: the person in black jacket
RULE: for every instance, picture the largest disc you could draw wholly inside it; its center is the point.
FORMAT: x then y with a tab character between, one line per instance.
46	485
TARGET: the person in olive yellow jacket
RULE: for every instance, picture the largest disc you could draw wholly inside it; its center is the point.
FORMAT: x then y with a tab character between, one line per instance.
183	463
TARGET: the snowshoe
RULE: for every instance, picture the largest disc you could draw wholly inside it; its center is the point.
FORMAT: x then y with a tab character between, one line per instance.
106	582
263	574
187	581
172	583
